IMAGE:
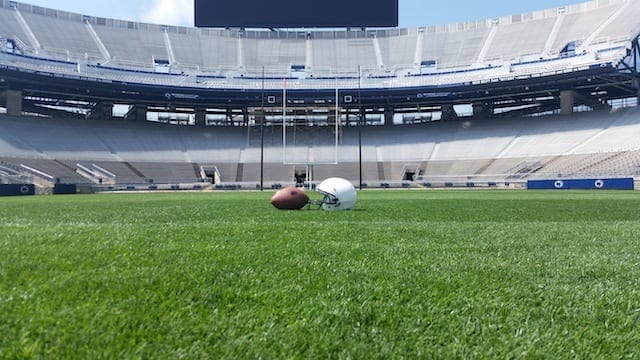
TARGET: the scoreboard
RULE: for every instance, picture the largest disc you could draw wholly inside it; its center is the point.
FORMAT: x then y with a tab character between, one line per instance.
296	13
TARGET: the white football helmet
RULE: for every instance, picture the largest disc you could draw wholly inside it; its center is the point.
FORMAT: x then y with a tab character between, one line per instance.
339	194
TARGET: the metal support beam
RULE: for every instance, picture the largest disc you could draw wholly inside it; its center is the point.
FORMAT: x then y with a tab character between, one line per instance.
482	110
13	100
141	113
449	113
245	116
631	66
137	113
388	116
567	101
201	116
632	62
636	55
101	111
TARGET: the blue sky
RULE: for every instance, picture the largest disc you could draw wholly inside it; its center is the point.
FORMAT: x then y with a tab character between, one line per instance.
412	12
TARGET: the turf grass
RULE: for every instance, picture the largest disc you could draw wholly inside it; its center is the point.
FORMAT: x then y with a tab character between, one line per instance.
418	274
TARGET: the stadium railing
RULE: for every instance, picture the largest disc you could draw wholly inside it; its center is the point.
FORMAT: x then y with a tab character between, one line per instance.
609	56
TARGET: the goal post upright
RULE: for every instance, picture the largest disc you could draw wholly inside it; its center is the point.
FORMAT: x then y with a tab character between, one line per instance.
284	120
311	158
337	120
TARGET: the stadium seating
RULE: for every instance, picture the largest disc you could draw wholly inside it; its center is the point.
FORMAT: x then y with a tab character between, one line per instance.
10	28
149	45
452	48
398	50
501	48
578	25
625	26
276	56
554	41
62	37
585	144
520	39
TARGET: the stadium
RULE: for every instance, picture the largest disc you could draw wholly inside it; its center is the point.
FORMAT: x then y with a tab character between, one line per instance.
392	107
159	126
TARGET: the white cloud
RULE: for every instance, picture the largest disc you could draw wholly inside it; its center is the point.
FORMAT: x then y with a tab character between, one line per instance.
170	12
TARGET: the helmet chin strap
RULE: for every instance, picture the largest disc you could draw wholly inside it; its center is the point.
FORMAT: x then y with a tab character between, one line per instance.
328	199
317	203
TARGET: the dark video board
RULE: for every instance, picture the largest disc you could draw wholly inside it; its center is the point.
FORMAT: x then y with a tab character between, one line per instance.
296	13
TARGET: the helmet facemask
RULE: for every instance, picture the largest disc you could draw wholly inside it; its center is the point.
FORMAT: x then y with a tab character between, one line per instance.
339	194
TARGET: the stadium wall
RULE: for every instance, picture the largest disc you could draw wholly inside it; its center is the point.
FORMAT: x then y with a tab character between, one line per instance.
582	184
17	189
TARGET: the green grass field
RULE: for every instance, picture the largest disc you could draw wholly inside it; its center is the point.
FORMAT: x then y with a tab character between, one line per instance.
416	274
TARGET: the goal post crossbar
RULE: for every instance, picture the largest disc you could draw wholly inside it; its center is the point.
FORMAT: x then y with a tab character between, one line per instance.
291	160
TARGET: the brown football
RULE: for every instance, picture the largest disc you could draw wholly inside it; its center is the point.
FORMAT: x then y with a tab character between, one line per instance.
290	198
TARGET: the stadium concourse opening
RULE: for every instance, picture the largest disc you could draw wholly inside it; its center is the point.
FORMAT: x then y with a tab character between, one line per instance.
454	105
